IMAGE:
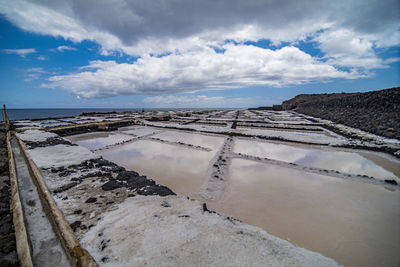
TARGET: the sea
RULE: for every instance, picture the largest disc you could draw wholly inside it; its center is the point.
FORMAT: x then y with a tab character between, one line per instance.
22	114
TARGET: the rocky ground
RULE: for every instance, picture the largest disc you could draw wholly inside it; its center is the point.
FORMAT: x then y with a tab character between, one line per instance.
8	255
377	112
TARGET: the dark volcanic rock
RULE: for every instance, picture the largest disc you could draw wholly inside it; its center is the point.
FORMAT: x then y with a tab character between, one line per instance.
59	169
8	246
138	182
5	227
65	173
91	200
52	141
377	112
3	166
78	212
132	179
111	185
129	179
75	225
127	174
155	190
205	208
111	126
8	254
65	187
106	165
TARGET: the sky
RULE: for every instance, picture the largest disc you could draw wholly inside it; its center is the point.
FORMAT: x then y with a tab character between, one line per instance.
193	54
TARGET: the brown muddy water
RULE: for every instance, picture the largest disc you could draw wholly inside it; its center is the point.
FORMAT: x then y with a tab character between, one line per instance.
355	223
179	168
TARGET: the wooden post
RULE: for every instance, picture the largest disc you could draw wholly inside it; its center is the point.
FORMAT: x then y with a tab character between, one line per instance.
4	115
5	118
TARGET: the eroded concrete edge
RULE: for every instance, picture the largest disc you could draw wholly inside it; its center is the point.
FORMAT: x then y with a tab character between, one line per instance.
77	255
24	250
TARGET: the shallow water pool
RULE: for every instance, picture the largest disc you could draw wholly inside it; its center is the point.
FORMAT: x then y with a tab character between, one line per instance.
350	221
353	222
98	140
179	168
343	161
213	142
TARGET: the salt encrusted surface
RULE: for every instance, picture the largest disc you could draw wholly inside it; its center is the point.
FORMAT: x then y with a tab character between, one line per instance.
25	124
175	231
315	138
60	155
215	181
35	135
138	130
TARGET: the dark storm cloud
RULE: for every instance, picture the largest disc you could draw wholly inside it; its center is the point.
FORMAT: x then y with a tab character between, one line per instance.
132	21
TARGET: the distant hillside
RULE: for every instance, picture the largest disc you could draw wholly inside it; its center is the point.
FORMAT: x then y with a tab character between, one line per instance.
376	112
294	102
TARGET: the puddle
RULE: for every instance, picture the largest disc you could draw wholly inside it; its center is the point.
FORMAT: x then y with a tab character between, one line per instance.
355	223
98	140
213	142
348	162
179	168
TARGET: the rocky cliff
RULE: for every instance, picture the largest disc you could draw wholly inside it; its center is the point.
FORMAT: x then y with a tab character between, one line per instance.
377	112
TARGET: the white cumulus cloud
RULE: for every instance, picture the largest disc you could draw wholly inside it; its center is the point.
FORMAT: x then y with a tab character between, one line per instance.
345	48
238	66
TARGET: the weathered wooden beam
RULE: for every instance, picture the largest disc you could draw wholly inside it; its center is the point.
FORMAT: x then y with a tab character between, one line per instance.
24	250
77	255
